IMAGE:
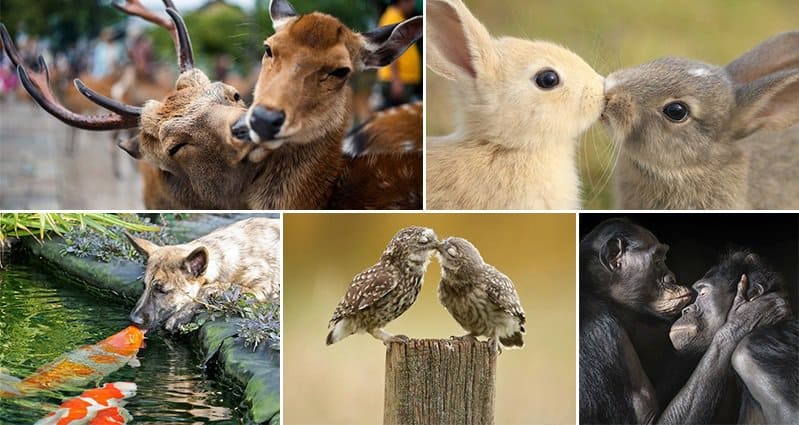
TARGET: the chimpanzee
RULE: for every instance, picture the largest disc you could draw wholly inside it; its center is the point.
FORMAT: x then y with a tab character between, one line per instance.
623	277
767	359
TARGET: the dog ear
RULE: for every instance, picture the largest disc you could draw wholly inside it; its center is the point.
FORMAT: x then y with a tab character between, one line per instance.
196	262
143	246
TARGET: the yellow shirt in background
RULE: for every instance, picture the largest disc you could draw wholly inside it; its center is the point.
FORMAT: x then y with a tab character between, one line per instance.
409	64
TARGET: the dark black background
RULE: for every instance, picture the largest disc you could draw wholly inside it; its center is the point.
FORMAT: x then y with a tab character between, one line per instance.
698	240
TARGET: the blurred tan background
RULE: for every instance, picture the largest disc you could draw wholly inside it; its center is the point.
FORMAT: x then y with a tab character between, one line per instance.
614	34
343	383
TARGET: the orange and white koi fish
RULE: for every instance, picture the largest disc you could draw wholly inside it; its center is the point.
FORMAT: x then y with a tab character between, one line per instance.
8	385
86	408
111	416
86	364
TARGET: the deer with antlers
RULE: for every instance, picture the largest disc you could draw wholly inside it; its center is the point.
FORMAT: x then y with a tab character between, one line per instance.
193	144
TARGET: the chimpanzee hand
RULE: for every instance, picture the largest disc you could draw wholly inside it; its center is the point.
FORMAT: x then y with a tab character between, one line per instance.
746	315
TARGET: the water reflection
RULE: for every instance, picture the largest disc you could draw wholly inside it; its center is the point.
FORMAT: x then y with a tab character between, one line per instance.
43	316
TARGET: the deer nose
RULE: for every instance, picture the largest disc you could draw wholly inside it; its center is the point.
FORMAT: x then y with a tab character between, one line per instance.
266	122
240	129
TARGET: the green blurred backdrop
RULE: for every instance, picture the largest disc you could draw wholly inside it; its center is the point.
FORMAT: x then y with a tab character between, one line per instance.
343	383
613	34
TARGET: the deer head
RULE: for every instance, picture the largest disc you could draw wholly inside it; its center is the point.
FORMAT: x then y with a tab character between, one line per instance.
302	94
185	136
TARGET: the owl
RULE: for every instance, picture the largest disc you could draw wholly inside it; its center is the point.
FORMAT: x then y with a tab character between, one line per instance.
384	291
478	296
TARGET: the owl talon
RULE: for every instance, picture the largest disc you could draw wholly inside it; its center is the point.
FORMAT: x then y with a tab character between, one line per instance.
494	345
467	336
402	339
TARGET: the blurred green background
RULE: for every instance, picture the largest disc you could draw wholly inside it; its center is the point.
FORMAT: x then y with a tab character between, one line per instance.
216	26
343	383
613	34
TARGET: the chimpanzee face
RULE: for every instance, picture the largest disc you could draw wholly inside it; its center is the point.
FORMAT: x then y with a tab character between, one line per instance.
694	331
641	279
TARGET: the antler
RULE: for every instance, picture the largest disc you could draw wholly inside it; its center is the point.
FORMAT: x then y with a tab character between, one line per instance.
37	83
176	28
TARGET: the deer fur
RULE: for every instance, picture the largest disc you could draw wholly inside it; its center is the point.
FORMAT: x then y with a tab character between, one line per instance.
736	150
215	170
515	143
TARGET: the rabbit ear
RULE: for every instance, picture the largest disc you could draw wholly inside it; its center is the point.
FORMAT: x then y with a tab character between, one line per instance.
767	103
458	45
778	53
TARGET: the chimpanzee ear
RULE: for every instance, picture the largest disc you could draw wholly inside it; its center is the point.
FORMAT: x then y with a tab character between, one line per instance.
611	253
752	258
755	288
196	262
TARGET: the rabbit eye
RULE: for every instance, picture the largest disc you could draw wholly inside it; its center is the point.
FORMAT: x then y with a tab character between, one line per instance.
676	111
547	79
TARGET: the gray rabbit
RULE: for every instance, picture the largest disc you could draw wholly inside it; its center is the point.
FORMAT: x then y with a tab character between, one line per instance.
698	136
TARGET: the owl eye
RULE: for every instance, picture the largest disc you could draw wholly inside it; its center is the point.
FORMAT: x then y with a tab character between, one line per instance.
424	239
452	251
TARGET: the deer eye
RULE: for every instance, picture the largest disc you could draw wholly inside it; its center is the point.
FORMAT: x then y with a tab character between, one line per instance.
267	51
340	72
174	149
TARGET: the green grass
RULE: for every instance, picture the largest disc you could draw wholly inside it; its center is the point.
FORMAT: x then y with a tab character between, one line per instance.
40	225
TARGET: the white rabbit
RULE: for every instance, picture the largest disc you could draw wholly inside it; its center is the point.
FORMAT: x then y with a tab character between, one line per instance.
693	136
521	107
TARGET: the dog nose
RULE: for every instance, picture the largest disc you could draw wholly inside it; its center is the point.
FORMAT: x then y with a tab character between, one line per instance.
142	321
266	122
136	319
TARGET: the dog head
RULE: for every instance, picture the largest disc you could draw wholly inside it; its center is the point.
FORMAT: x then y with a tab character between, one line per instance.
173	279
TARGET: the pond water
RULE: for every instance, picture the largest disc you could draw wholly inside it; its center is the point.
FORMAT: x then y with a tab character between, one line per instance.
43	315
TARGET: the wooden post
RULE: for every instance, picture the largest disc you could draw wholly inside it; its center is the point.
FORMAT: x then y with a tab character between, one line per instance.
440	381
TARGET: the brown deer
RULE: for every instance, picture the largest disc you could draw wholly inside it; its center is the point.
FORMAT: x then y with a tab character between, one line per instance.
195	161
302	107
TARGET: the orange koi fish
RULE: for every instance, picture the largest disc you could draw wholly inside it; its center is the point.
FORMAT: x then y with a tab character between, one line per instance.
111	416
86	364
86	408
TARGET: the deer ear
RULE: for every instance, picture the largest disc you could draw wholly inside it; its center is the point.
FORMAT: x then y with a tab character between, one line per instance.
131	146
778	53
610	254
458	45
385	44
143	246
281	12
766	103
196	262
